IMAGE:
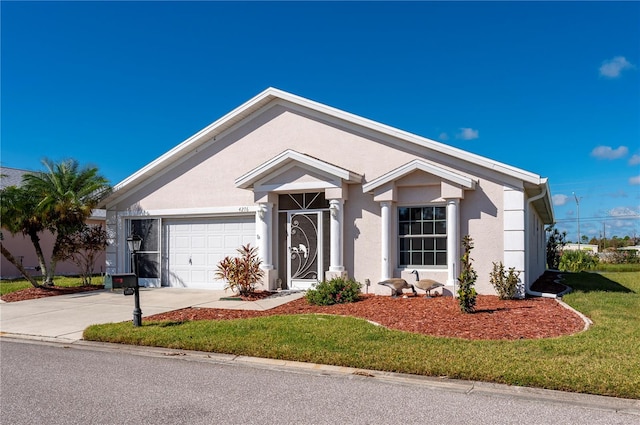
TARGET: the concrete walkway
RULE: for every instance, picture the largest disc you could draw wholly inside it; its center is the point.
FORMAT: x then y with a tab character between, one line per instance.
64	317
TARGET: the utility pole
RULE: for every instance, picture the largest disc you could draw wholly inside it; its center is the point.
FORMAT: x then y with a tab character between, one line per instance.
578	205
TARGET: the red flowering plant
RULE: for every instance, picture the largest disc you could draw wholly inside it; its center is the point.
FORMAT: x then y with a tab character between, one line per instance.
241	274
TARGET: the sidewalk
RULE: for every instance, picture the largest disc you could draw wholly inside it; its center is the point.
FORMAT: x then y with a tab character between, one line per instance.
65	317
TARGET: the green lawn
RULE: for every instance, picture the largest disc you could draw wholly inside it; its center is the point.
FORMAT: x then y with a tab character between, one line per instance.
604	360
8	286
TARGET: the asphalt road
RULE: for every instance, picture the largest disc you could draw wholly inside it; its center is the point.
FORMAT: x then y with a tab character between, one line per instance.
54	383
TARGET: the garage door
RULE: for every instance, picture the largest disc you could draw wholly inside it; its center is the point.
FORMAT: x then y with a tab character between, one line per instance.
195	247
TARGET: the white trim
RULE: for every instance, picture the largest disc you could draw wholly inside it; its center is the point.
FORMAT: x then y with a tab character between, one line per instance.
275	166
193	212
290	165
453	240
385	240
296	187
336	217
414	165
264	233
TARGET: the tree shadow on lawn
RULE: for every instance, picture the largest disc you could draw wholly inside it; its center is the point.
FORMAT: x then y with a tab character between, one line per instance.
593	282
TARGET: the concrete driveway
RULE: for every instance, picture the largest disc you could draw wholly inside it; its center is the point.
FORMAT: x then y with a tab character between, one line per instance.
65	317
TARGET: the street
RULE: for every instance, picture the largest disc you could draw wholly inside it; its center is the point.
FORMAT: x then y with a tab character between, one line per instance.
55	383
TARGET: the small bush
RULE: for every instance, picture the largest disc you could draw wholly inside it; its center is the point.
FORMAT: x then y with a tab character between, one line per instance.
505	282
467	293
556	240
577	261
335	291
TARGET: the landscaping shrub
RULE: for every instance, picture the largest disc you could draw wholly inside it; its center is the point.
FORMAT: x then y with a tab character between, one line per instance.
505	282
577	261
555	242
335	291
468	276
243	273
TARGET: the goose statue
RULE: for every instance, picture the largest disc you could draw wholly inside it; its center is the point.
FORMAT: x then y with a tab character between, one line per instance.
426	285
397	285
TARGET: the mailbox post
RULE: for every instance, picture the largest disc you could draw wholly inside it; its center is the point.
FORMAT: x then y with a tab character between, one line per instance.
134	242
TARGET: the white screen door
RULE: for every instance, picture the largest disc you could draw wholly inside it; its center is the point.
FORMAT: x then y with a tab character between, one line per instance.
305	249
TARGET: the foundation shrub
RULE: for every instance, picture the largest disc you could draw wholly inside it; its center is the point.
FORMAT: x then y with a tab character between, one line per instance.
467	293
242	274
335	291
505	282
577	261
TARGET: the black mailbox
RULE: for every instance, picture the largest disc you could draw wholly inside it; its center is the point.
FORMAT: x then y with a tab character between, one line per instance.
125	280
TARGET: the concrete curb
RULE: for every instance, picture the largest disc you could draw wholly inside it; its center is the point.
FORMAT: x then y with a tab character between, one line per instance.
597	402
587	322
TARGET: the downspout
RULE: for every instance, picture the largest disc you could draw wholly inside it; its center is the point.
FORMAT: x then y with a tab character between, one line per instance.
527	288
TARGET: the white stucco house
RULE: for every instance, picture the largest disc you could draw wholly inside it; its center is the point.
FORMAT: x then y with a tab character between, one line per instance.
322	193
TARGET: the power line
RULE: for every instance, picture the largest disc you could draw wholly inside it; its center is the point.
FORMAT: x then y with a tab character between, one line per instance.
606	217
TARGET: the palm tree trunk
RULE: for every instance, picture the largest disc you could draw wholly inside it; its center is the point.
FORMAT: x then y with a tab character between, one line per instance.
35	240
23	271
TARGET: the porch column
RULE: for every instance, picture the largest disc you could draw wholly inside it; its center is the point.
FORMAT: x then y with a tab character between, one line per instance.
337	216
385	240
264	233
453	242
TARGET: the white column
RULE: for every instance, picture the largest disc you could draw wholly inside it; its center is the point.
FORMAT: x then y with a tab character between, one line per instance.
337	218
453	241
385	239
264	233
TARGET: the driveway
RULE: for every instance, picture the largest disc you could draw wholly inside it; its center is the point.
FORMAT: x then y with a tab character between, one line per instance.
65	317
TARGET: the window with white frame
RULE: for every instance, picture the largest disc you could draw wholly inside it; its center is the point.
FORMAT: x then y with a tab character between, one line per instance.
422	234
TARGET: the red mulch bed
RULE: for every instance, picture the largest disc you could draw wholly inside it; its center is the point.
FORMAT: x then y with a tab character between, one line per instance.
46	291
441	316
494	319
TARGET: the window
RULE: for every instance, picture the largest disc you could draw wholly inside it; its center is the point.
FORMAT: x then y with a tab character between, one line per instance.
422	234
302	201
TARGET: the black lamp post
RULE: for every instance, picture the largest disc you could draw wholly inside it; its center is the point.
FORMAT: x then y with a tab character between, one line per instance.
134	242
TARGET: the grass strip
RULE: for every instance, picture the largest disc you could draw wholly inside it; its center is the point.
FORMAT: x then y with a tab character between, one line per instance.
604	360
8	286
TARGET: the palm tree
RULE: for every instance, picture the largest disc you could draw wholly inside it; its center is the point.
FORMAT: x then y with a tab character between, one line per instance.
67	195
18	215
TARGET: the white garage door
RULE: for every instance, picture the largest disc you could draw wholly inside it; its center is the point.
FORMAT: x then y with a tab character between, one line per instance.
195	247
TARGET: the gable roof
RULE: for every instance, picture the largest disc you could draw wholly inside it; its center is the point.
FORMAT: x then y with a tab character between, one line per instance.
231	119
290	157
418	164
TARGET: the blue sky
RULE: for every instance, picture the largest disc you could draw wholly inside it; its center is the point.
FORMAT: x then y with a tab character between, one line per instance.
550	87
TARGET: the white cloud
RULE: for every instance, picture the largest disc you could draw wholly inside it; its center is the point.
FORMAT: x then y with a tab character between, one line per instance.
624	212
559	200
606	152
634	180
468	134
634	160
613	67
443	136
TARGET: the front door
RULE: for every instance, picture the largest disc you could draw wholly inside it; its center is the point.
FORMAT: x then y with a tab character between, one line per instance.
305	249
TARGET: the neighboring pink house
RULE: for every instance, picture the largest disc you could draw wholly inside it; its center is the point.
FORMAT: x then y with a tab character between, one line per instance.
321	193
22	248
